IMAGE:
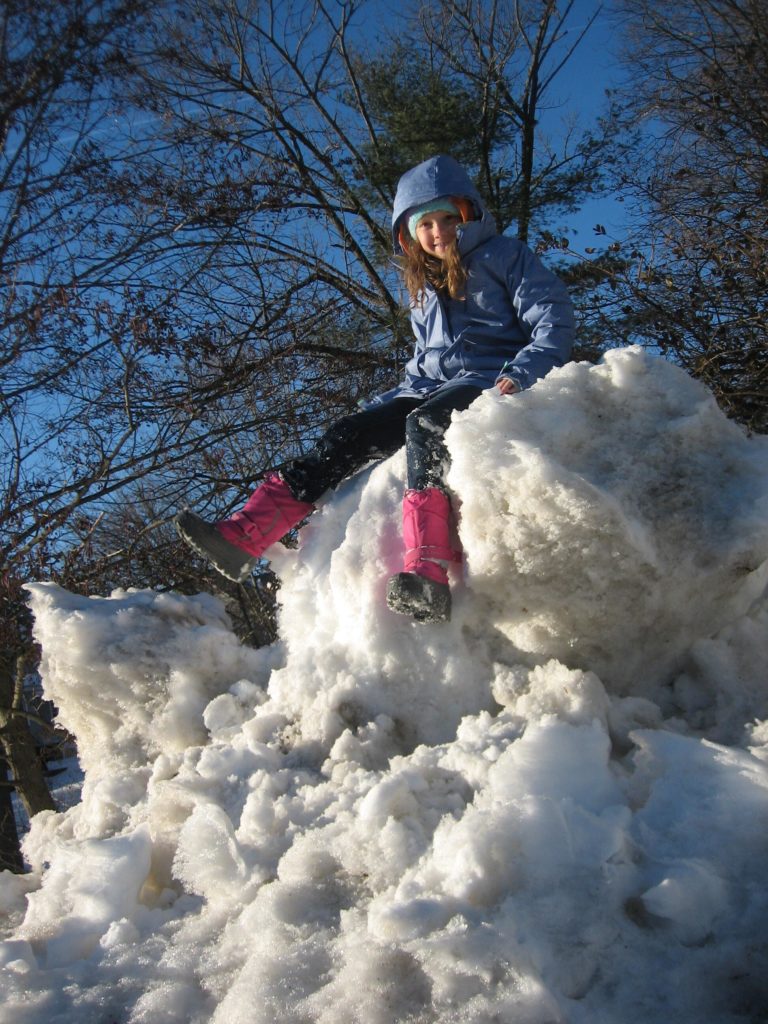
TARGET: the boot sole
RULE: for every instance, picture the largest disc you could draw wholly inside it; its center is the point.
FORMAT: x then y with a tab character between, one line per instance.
424	600
228	559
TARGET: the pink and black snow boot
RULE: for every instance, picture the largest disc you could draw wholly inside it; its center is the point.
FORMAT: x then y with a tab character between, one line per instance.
422	590
234	545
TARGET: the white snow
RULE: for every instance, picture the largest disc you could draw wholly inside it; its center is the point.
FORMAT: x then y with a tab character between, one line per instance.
552	809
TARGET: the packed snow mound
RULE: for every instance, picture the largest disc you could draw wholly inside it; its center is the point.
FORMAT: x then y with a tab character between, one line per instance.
515	816
614	514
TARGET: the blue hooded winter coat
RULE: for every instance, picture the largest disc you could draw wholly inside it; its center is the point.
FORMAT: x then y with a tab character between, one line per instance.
514	312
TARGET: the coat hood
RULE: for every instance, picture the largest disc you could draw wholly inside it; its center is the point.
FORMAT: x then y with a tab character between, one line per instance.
439	176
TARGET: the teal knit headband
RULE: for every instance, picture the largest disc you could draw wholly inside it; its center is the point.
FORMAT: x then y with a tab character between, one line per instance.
433	207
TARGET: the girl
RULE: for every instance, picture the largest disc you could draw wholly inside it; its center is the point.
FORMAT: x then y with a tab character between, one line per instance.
485	313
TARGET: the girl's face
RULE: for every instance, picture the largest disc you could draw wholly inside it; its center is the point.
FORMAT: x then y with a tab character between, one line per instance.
435	232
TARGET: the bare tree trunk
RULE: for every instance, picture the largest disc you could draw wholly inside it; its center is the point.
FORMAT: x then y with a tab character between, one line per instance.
24	766
10	852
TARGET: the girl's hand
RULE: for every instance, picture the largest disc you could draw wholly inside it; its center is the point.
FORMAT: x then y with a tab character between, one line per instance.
507	386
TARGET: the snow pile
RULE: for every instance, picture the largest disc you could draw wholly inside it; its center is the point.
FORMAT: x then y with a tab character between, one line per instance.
551	809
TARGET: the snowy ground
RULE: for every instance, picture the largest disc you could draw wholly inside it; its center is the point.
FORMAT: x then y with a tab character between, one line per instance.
552	809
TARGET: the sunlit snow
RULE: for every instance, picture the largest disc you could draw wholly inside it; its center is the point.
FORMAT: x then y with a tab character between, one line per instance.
552	809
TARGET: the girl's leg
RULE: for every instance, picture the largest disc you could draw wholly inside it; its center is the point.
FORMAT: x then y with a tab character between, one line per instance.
374	433
282	501
421	590
425	435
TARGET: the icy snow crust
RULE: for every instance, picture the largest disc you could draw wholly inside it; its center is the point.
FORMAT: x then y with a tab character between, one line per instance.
552	809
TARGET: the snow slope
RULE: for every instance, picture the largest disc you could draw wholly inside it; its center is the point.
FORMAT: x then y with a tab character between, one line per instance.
552	809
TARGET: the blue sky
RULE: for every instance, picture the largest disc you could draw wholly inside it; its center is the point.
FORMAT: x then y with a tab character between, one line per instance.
581	88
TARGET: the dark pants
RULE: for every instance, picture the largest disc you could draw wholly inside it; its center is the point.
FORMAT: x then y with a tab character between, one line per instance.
377	433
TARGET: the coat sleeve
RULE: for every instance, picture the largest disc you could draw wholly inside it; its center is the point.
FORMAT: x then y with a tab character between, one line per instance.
545	314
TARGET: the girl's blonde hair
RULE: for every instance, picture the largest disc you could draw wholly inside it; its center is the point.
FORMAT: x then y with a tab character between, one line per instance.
421	269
